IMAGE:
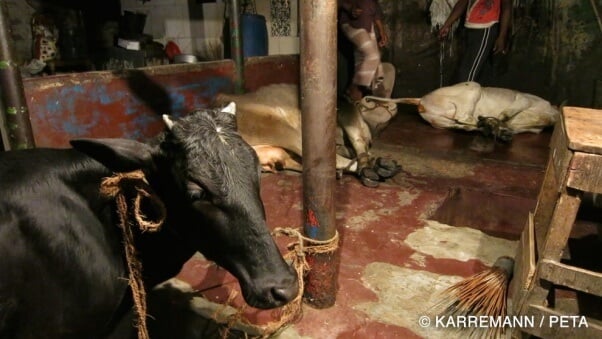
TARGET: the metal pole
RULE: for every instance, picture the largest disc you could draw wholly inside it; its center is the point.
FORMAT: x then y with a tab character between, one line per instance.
236	47
318	107
4	142
18	126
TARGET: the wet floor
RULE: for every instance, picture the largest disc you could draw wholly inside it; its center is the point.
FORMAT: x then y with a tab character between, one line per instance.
450	213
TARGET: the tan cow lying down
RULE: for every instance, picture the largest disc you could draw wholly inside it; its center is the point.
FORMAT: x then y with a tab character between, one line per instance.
269	119
498	111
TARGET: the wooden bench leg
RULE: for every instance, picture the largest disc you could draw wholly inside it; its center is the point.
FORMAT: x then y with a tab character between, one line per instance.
546	201
562	222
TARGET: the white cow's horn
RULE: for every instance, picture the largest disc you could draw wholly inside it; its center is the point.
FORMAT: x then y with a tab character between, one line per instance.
168	122
231	108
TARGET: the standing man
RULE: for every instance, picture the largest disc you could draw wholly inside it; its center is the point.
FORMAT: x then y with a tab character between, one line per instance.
361	22
487	24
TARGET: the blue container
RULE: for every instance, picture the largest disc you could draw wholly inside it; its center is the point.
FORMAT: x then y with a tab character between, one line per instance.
254	35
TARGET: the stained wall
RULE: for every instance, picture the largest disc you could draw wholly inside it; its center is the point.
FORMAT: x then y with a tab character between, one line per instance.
555	50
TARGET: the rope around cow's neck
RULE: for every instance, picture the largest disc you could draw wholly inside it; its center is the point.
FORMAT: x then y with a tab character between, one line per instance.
129	191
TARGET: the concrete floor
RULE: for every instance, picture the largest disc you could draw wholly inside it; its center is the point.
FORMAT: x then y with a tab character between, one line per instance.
449	214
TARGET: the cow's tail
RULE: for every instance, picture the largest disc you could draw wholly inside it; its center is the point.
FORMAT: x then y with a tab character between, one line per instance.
410	101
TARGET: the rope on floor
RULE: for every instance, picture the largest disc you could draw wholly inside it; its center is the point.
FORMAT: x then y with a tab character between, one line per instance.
297	252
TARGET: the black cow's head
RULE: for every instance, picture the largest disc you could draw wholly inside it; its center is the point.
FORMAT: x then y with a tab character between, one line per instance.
208	178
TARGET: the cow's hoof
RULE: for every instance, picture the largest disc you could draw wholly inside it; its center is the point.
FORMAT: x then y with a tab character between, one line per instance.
386	168
369	177
339	174
363	160
505	135
482	144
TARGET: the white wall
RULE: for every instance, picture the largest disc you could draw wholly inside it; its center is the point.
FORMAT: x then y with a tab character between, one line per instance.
171	20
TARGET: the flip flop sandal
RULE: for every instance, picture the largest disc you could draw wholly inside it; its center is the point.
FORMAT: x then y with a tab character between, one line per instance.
369	177
386	168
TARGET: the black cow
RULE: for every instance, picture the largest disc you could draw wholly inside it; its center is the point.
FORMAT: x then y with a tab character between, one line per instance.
62	266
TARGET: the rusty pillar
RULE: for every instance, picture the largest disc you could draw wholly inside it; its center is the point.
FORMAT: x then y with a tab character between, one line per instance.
236	47
318	106
14	106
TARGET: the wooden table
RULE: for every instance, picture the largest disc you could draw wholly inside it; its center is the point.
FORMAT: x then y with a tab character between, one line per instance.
574	168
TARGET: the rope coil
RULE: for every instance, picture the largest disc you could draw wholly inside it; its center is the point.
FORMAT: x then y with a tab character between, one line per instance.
135	201
291	312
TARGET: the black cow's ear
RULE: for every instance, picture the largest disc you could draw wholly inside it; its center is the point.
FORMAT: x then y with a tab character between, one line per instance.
119	155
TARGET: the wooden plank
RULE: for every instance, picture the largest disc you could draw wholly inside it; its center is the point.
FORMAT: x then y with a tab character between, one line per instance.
557	133
574	277
527	260
547	324
553	184
561	154
584	172
583	129
524	267
546	201
561	224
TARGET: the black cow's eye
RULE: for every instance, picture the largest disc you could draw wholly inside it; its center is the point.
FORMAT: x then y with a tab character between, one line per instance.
197	194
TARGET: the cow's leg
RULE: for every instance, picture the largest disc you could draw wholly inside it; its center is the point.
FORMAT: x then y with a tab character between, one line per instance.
274	159
358	133
363	160
292	164
356	130
346	165
341	145
532	119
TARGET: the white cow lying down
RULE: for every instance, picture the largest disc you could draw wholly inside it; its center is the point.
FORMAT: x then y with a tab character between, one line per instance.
269	119
470	107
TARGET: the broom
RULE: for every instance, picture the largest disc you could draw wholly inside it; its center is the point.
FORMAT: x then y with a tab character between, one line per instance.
482	294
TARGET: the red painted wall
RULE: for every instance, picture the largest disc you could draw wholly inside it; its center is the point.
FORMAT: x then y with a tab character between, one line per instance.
130	104
262	71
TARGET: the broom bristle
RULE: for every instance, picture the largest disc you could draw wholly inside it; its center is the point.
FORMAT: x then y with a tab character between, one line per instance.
482	294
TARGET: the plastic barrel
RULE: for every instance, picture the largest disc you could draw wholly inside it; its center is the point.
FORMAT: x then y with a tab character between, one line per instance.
254	34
